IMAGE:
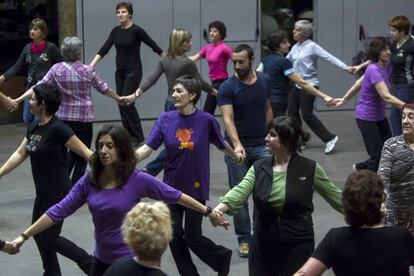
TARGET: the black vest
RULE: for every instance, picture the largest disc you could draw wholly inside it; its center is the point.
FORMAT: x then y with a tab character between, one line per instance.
295	222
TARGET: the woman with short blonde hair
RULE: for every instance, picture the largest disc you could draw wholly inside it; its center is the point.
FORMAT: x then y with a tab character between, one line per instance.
147	231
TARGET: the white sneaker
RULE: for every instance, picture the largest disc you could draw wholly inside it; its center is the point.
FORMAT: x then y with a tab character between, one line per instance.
330	146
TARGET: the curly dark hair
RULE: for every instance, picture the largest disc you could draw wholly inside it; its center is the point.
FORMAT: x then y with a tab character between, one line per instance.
376	46
289	131
127	159
220	27
362	198
274	39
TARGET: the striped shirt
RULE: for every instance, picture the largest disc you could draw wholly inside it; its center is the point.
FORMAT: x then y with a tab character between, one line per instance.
75	81
397	171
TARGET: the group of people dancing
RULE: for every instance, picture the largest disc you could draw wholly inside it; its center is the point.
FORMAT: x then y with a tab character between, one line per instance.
262	150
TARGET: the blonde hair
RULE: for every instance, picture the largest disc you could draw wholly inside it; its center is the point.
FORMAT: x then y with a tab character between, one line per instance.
177	38
147	230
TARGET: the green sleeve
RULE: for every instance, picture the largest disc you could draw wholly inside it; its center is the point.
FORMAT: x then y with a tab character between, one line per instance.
327	189
236	198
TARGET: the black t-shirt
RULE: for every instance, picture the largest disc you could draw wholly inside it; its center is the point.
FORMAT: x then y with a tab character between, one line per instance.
402	62
277	67
367	251
127	266
128	43
47	151
249	107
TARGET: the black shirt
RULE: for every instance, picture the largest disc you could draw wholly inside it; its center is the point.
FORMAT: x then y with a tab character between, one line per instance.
127	266
128	44
47	151
367	251
402	62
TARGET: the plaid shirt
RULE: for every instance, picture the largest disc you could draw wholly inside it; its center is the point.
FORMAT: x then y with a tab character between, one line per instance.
75	81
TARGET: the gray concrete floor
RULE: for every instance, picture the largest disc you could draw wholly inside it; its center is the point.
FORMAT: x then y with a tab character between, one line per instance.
17	194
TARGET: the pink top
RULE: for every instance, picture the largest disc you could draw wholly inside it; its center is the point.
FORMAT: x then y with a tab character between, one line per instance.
217	57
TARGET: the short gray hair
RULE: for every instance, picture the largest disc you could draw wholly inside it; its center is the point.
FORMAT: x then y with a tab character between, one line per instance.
305	26
71	48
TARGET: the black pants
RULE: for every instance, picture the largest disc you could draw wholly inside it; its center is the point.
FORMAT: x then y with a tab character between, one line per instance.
49	242
98	267
191	236
77	164
374	135
278	258
301	100
127	82
211	101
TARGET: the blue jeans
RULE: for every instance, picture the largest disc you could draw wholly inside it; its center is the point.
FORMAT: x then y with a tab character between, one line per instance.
404	92
157	165
241	220
28	117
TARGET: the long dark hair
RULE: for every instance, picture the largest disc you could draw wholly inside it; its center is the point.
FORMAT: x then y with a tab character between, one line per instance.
126	155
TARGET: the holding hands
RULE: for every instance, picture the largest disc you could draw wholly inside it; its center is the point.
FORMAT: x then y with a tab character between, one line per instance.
10	248
217	219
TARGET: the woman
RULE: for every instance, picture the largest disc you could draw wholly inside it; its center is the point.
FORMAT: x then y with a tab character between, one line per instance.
402	77
174	65
127	38
146	230
396	169
111	189
187	133
370	110
75	81
46	144
37	57
303	55
365	247
282	187
280	71
217	54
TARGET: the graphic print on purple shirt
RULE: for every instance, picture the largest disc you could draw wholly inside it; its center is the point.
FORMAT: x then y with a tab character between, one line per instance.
371	107
109	207
187	140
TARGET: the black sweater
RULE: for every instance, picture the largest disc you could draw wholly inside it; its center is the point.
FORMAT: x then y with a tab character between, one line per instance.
128	44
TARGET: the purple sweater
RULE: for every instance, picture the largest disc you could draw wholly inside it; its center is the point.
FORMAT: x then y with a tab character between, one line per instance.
109	207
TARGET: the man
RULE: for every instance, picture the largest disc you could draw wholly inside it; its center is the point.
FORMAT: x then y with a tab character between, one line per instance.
244	103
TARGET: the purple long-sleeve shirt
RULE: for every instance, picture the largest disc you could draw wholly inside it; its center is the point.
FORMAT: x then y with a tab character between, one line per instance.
109	207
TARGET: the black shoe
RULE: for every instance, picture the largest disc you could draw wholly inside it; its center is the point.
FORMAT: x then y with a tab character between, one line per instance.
227	262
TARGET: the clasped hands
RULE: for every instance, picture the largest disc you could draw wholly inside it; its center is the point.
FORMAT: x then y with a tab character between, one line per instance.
14	246
218	219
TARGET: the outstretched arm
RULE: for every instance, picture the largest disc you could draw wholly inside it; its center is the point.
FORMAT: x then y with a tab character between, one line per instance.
95	61
76	145
15	159
228	118
196	57
7	102
296	78
385	94
143	152
41	224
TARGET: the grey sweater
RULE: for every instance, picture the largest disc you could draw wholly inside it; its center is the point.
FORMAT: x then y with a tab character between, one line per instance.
174	68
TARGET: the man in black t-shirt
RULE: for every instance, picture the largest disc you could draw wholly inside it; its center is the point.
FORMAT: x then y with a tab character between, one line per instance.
244	103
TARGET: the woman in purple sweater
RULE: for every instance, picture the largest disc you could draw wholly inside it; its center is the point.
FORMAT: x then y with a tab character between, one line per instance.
111	189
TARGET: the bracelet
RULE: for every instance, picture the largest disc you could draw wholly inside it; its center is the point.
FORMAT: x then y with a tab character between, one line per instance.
24	236
208	212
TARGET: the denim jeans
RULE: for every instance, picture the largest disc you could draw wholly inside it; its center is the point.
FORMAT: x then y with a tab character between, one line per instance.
157	165
28	117
404	92
242	222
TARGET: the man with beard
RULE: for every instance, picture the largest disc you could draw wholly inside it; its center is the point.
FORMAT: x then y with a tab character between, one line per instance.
244	103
